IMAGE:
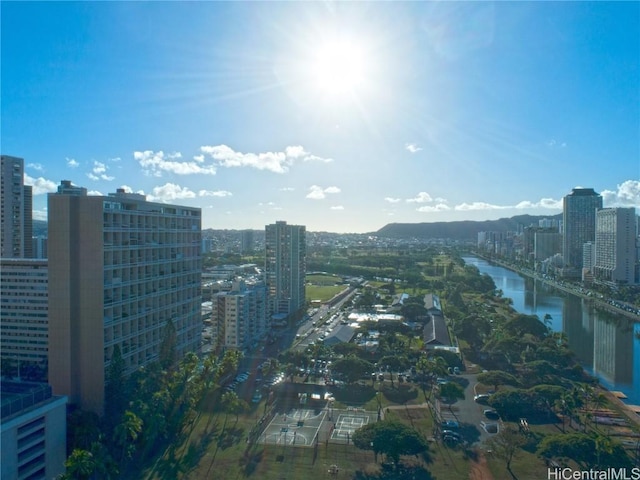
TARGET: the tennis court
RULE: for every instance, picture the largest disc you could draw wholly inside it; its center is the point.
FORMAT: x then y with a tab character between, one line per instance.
347	423
306	427
295	427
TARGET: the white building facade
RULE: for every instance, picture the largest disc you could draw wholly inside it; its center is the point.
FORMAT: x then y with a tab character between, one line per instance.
239	316
615	246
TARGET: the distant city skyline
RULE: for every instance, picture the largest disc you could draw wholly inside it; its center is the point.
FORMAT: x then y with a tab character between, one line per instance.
340	116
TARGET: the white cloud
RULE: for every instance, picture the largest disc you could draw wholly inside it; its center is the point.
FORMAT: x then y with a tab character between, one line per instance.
549	203
277	162
439	204
412	147
36	166
337	207
170	192
422	197
39	214
40	185
478	206
286	189
392	200
440	207
318	193
95	193
626	195
99	172
216	193
155	163
71	163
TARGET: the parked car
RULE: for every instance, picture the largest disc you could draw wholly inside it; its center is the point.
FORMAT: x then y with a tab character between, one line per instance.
482	398
489	427
449	424
491	414
451	436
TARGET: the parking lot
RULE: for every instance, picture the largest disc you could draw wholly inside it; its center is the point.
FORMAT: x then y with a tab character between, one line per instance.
467	418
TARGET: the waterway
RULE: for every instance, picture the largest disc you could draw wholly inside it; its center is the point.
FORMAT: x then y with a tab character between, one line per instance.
607	345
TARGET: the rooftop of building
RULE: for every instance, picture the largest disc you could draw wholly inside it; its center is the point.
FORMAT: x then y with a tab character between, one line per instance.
18	396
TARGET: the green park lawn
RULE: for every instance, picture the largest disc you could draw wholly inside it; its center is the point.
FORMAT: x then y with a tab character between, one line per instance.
322	293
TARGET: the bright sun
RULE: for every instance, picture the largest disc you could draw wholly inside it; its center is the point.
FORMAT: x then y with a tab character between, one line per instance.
339	67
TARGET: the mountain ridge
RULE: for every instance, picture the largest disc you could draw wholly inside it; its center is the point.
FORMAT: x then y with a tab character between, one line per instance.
460	230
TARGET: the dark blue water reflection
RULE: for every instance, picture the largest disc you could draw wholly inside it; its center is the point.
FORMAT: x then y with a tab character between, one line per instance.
607	345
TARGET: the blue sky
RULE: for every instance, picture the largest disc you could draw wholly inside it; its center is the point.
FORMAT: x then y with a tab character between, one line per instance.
341	116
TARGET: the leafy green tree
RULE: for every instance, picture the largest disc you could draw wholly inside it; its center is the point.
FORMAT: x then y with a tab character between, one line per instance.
83	428
391	438
526	324
115	386
80	465
568	404
413	309
428	369
517	403
126	434
395	363
351	369
347	349
496	378
548	395
450	392
578	447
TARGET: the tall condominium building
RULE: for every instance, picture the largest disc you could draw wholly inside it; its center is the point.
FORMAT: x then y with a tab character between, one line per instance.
546	244
579	222
24	314
120	268
615	246
239	315
246	241
285	267
15	210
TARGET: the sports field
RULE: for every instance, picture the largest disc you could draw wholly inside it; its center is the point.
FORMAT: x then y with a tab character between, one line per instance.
306	427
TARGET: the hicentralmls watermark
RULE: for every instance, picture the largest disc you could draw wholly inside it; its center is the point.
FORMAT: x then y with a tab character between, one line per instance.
558	473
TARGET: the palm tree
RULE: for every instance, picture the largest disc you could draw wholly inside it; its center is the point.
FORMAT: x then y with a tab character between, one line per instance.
126	434
80	465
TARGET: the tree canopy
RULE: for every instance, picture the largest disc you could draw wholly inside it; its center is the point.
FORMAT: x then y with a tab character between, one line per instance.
391	438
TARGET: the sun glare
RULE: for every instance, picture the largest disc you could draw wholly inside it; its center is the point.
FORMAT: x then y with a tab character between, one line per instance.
339	67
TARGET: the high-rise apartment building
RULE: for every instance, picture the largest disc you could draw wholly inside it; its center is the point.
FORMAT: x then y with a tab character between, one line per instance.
247	241
239	315
24	314
285	267
546	244
120	268
615	246
15	209
579	223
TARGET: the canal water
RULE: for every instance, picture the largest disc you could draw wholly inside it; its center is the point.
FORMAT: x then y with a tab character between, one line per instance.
607	345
